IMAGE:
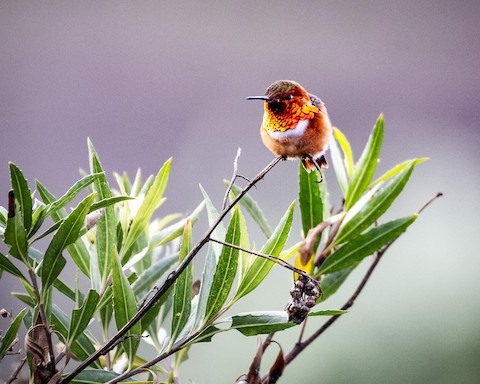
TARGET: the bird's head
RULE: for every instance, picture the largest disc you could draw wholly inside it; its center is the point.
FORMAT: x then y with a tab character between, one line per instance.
283	97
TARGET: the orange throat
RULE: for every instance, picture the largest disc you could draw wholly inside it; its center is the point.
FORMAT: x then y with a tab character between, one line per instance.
289	118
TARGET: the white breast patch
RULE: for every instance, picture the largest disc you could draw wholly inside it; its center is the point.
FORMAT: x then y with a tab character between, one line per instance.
298	131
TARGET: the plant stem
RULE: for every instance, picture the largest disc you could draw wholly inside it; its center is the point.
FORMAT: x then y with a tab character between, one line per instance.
17	371
274	259
172	277
43	317
299	347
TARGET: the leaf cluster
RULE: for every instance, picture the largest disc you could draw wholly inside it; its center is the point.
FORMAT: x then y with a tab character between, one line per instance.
114	238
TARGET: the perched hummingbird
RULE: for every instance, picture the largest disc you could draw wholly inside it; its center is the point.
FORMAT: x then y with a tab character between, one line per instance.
295	124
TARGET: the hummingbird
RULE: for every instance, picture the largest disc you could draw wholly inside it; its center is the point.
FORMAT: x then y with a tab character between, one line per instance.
295	124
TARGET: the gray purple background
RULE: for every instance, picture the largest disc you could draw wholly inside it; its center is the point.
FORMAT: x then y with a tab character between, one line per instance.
150	80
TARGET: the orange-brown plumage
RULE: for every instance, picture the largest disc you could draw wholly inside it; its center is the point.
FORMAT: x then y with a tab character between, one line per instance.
295	124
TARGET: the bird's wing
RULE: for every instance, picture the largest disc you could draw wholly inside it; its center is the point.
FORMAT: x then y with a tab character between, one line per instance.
316	101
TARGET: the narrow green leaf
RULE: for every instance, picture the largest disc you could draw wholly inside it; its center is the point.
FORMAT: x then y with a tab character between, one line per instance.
246	259
106	227
366	244
109	201
67	233
125	307
22	195
9	336
25	298
153	275
257	323
253	209
62	287
92	376
339	166
82	316
226	269
219	232
3	217
397	169
15	235
151	202
328	312
7	265
205	285
106	314
123	183
137	183
78	251
208	333
374	208
175	230
289	252
154	318
38	218
332	282
347	150
182	297
72	192
249	324
49	231
310	201
365	168
82	346
260	268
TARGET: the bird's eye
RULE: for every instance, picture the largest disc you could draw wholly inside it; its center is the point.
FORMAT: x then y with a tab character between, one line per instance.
289	97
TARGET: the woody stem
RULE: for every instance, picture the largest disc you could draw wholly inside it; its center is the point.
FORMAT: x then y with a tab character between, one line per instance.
172	277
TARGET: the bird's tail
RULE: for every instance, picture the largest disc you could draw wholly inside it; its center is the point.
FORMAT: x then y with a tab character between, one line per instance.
311	164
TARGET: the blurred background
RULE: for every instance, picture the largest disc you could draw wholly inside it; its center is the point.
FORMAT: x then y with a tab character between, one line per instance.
150	80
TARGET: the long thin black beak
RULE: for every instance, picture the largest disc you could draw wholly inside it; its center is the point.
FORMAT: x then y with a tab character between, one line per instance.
265	98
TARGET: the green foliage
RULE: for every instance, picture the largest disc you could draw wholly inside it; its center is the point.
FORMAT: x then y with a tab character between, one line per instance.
363	171
67	233
182	304
125	307
225	270
118	242
260	268
11	333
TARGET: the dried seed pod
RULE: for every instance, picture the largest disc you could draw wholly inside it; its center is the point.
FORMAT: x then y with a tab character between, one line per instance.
299	284
309	285
296	293
310	301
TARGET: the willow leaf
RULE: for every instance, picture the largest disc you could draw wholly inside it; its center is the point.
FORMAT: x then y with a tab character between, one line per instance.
106	226
253	209
152	200
365	245
9	336
22	195
365	168
375	207
260	268
182	297
226	269
66	234
125	307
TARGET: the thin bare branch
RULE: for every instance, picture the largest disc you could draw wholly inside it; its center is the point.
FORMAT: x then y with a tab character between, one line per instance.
172	277
274	259
430	201
299	347
234	177
17	371
43	317
306	249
